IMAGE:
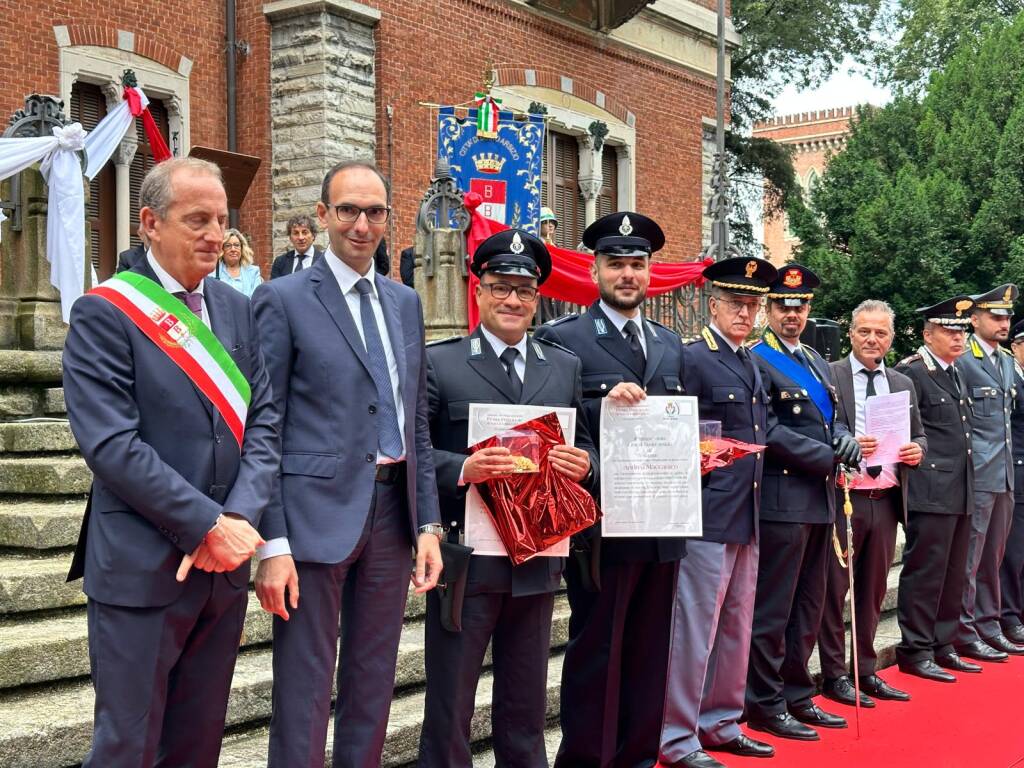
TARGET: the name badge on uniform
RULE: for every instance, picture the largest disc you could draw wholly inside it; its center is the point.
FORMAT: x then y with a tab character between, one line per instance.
474	347
600	326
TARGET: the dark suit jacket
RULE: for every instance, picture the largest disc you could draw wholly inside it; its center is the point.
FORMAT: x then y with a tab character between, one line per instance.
728	393
285	263
407	266
456	377
842	373
321	379
944	482
164	463
607	361
130	257
799	466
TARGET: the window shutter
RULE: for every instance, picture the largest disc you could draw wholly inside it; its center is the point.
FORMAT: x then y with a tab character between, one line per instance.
88	107
608	198
143	159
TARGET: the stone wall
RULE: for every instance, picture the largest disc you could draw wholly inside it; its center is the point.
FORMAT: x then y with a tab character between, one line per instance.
322	101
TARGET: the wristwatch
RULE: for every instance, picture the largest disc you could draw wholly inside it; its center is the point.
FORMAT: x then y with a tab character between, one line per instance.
434	528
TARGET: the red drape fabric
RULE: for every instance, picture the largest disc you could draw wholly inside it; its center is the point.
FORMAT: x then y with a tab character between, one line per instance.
570	270
157	145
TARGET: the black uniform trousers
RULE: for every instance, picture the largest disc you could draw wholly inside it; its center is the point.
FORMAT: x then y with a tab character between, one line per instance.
791	578
629	620
874	544
1011	572
931	584
521	630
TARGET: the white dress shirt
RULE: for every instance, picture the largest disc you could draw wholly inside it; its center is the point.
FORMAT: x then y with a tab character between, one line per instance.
990	352
888	477
347	278
619	320
723	337
306	259
172	286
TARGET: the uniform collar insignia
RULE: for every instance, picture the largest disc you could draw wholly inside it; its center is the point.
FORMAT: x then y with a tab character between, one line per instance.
600	326
709	339
475	349
539	352
976	348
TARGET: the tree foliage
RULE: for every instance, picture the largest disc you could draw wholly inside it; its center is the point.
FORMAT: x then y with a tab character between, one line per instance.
927	199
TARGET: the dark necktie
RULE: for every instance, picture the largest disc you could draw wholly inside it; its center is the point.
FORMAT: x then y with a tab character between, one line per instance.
744	355
633	339
298	262
508	359
801	358
389	437
192	300
951	372
871	392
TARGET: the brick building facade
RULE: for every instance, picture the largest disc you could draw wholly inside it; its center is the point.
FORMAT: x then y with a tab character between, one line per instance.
814	137
321	80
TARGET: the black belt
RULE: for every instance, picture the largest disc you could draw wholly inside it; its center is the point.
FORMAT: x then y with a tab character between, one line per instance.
873	493
391	474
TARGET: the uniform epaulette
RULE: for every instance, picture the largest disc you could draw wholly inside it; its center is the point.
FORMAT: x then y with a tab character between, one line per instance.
1005	351
908	360
563	319
449	340
555	344
660	325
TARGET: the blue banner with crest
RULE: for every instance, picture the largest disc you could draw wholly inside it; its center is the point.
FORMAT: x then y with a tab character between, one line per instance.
504	169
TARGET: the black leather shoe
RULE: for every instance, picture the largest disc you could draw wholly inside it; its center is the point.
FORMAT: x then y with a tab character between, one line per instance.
1015	634
841	689
744	746
980	651
880	689
812	714
954	662
928	670
785	726
698	759
1000	643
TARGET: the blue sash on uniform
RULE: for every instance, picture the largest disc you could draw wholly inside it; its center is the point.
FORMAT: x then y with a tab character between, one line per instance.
790	368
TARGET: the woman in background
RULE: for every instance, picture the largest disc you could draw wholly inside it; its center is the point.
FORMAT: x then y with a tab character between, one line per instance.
235	265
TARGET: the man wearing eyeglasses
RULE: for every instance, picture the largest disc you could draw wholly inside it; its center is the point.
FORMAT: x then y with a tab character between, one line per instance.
714	603
508	606
356	492
805	443
620	590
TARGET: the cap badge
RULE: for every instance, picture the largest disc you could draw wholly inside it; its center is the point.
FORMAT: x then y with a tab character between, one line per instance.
793	278
962	306
625	228
1009	292
517	246
751	268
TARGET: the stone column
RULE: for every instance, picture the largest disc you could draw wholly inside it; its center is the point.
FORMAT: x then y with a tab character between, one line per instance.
444	293
322	97
590	176
122	172
625	191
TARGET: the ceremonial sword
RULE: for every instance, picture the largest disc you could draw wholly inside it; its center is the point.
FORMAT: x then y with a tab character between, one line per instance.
847	563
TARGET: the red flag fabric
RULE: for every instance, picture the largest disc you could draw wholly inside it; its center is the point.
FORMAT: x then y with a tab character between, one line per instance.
157	145
570	270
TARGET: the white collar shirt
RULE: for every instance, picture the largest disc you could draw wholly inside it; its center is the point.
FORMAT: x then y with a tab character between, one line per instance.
172	286
619	320
500	346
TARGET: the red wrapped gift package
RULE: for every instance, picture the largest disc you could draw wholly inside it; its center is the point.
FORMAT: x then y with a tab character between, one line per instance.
719	452
537	507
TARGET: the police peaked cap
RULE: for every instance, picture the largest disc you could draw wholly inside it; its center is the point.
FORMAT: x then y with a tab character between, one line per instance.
998	301
513	252
624	234
794	285
742	275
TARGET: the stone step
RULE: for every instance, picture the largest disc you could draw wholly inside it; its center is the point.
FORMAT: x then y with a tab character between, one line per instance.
37	436
23	402
51	725
40	524
44	476
249	749
37	583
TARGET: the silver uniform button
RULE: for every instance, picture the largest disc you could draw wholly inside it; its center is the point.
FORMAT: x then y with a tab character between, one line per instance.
968	451
604	386
756	428
732	396
796	409
755	485
942	399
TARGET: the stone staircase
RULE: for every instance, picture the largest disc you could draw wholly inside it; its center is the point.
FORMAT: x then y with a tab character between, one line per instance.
46	699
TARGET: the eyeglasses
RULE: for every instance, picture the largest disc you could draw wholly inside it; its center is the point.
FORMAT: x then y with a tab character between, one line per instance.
375	214
526	293
737	306
232	246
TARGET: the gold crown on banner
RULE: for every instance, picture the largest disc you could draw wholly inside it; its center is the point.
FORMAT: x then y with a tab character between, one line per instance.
489	162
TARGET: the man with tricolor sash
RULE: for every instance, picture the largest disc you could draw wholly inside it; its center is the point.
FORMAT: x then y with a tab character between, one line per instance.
169	400
796	515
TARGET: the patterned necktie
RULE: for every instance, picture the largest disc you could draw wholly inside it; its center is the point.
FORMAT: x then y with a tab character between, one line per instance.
508	359
633	338
192	300
871	392
389	437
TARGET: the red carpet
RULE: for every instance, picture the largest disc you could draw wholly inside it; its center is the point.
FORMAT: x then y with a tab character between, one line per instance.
977	722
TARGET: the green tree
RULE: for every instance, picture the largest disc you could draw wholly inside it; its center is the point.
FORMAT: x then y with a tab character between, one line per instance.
927	199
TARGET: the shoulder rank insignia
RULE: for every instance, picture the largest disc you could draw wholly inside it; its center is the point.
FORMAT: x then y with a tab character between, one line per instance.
475	347
550	343
1005	351
600	327
1018	369
709	339
448	340
976	348
910	359
539	352
563	319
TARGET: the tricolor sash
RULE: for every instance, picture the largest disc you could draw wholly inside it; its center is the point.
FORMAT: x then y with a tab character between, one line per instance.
791	369
183	337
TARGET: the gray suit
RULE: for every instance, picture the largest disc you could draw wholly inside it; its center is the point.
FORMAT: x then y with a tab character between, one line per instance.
990	393
876	517
351	535
165	466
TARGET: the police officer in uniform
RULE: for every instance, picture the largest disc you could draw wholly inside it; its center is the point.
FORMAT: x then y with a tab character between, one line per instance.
988	375
940	496
1011	572
509	606
620	590
797	511
714	602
